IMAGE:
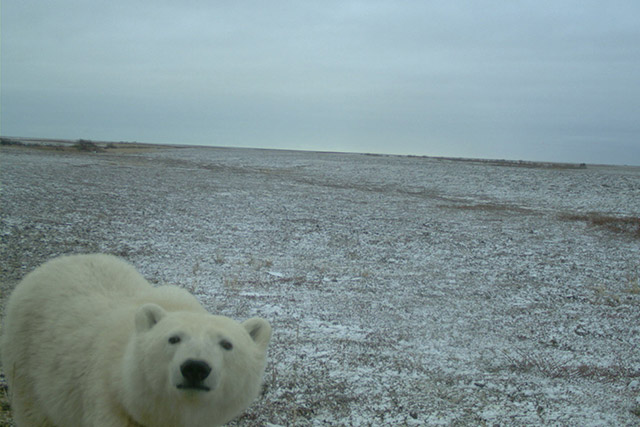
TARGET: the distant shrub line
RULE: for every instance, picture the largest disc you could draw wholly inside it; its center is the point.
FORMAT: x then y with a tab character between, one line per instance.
9	141
86	145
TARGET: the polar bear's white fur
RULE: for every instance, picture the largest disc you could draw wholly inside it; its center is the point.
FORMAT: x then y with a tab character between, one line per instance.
87	341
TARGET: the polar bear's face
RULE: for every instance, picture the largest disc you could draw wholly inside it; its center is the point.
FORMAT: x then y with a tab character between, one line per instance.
198	357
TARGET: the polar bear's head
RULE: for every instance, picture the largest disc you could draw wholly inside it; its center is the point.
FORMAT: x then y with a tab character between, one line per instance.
193	368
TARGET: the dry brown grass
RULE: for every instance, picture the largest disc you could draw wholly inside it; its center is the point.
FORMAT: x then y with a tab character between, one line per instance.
549	367
628	225
490	207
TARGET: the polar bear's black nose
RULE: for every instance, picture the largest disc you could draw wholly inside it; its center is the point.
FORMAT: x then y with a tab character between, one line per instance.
195	371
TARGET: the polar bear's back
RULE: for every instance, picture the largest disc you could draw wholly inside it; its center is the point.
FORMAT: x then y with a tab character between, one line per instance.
79	287
96	276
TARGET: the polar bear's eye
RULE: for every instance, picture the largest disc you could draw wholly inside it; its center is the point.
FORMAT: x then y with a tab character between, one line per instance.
226	345
174	339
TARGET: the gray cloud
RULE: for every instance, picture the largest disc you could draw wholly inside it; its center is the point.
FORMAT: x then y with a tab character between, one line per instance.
524	80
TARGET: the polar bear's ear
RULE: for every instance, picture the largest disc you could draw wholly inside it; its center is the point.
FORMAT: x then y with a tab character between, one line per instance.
260	330
147	316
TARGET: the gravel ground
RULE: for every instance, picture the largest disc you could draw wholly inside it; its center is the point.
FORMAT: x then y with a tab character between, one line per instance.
402	291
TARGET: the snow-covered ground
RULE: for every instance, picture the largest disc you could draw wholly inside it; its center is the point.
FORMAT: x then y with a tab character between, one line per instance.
402	291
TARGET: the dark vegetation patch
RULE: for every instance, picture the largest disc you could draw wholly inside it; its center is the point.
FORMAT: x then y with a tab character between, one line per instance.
5	407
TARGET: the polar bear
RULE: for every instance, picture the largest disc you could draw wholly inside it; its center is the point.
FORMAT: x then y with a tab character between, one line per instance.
87	341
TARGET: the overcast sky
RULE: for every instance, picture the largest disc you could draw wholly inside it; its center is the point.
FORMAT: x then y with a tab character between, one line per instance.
551	80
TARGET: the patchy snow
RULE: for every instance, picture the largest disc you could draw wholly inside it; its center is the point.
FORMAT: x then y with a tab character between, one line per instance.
402	291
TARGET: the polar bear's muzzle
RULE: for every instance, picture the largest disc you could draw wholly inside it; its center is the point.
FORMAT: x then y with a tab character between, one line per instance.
194	373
